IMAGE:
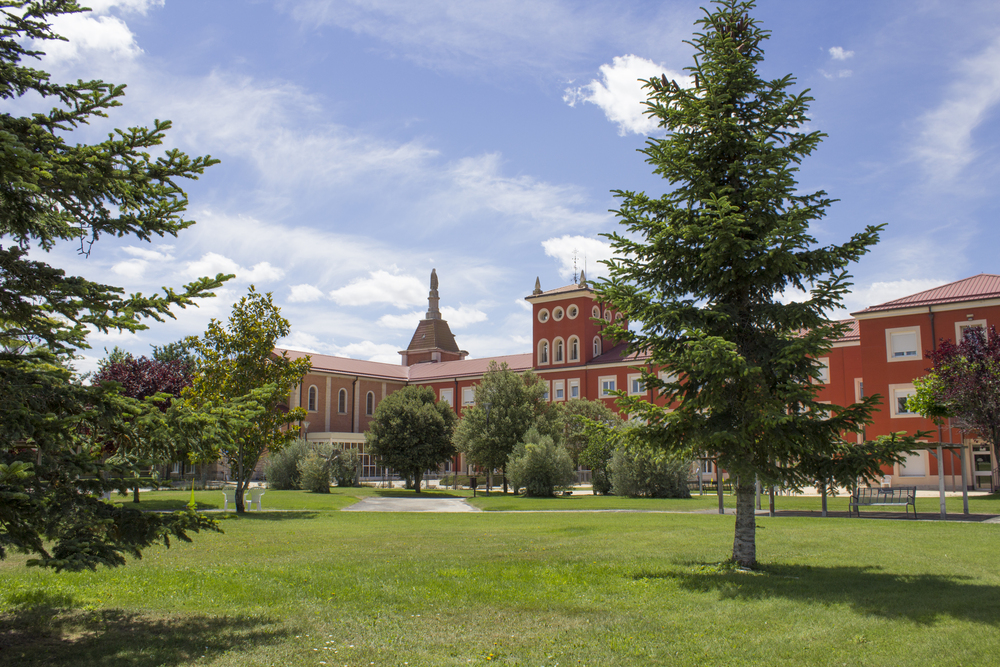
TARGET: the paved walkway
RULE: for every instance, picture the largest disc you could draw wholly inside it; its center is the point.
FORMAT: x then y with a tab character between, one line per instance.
411	505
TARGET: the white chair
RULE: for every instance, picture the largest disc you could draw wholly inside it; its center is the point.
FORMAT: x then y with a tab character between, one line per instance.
230	495
255	496
887	481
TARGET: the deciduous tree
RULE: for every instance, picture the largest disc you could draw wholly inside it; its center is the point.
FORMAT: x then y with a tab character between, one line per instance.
411	432
507	405
705	269
242	381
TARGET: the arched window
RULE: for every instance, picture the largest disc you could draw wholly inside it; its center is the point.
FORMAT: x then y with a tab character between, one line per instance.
558	353
574	348
342	402
543	352
597	346
370	403
313	398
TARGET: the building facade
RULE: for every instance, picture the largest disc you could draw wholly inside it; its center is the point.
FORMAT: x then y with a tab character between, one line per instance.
883	351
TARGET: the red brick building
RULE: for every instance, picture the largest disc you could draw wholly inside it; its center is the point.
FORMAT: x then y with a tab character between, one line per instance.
883	352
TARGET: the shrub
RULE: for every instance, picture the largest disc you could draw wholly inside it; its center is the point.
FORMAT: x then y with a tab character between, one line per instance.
314	473
539	465
344	467
638	471
597	456
281	470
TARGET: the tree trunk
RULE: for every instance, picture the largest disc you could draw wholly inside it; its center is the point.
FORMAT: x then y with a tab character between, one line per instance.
504	470
241	484
744	541
417	476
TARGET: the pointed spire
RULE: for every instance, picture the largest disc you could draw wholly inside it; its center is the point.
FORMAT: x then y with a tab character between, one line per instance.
432	298
538	286
583	278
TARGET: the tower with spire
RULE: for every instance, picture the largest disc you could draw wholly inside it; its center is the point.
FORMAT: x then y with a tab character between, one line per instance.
433	341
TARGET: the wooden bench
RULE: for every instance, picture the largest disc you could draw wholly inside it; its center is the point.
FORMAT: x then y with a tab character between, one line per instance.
901	496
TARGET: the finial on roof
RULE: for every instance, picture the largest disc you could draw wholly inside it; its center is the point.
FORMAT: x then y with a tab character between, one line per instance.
583	278
432	298
538	286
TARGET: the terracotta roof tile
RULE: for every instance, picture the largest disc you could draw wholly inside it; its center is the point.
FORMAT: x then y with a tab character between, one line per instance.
325	362
560	290
433	335
416	373
852	334
466	367
976	288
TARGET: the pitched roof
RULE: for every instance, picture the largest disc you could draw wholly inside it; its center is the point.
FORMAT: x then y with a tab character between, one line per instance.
617	355
852	334
416	373
976	288
433	334
560	290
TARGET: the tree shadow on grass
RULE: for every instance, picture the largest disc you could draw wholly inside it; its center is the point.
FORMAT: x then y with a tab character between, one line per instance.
278	515
920	598
47	633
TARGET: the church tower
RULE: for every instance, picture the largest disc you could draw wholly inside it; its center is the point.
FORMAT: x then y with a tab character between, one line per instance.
432	341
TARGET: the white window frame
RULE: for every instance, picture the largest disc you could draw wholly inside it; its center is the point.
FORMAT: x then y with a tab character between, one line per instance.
595	312
897	391
889	354
448	396
468	395
571	353
558	386
632	379
558	351
824	370
543	315
962	325
597	346
543	352
572	312
603	391
574	388
557	313
548	393
608	315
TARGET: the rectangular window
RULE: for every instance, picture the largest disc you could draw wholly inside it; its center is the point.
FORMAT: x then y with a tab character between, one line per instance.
903	344
962	327
913	466
559	386
468	395
547	395
635	385
607	386
448	396
899	394
824	370
574	389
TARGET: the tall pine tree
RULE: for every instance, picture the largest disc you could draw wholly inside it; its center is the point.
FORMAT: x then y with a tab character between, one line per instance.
705	266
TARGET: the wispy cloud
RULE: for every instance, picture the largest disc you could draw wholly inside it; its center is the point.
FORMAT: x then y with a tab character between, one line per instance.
381	287
458	318
838	53
945	145
619	92
578	252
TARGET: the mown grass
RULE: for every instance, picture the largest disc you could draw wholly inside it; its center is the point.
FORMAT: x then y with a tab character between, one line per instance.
339	498
312	588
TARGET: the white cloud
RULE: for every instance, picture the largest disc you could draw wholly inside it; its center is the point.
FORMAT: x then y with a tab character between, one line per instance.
839	74
589	253
132	269
620	94
945	144
304	294
876	293
88	34
149	254
212	263
385	353
838	53
381	287
457	318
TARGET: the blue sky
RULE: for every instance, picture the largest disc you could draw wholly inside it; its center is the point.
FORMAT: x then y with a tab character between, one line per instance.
364	142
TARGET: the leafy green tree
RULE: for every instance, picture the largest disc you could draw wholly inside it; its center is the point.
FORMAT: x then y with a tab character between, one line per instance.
507	405
704	269
314	472
411	432
576	414
540	466
55	432
597	454
241	380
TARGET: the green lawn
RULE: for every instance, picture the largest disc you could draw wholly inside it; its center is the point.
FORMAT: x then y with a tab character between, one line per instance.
322	587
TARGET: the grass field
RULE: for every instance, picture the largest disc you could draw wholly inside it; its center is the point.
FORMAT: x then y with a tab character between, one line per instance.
329	588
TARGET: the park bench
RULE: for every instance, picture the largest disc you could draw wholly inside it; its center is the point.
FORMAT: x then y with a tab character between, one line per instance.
901	496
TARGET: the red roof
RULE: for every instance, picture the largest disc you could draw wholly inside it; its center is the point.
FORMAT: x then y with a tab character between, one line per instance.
852	334
425	372
976	288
